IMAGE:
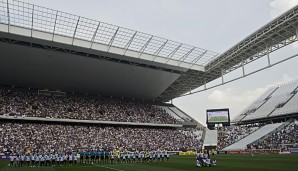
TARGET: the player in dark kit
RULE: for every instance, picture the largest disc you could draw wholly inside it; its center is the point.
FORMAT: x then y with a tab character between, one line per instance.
97	156
106	156
87	155
92	156
102	156
81	157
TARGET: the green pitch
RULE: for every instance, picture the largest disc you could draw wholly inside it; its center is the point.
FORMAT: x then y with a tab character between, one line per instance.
218	119
180	163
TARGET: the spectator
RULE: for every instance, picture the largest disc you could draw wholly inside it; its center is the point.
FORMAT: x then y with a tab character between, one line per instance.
276	140
30	104
230	134
48	137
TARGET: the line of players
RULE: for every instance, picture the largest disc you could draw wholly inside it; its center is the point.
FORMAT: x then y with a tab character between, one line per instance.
93	157
43	159
204	159
101	157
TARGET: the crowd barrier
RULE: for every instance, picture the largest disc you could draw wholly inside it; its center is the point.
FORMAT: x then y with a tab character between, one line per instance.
187	153
293	150
256	151
4	156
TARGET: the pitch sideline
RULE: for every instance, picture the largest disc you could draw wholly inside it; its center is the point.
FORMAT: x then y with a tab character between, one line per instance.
108	167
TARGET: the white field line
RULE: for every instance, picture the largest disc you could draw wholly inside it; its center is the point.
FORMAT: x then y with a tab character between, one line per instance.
108	167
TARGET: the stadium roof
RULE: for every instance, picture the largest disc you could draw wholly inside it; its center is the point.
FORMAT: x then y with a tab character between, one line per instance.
278	33
89	33
145	66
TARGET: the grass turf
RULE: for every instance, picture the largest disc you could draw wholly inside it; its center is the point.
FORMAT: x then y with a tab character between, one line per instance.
218	119
178	163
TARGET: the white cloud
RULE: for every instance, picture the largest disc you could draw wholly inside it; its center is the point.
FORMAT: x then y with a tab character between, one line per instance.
229	95
280	6
233	99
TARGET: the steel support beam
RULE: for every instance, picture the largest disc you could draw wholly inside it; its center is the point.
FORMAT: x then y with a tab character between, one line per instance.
112	39
129	42
173	53
159	49
185	56
268	58
55	26
94	35
32	20
8	17
222	77
145	46
198	58
74	33
243	69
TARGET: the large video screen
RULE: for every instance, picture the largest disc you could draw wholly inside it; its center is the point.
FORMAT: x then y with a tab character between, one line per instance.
218	116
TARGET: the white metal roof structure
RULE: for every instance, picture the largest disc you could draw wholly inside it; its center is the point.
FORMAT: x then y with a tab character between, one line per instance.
31	20
277	103
278	33
146	66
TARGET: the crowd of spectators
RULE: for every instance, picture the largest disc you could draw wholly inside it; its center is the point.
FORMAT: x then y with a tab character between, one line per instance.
16	136
287	136
228	135
195	132
32	104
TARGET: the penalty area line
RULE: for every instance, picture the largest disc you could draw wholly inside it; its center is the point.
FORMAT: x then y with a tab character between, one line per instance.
108	167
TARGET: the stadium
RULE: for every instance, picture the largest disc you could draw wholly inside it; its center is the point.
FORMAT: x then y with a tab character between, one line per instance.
78	93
